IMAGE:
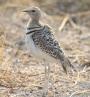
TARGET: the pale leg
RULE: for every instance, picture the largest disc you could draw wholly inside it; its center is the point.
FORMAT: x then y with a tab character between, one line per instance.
47	72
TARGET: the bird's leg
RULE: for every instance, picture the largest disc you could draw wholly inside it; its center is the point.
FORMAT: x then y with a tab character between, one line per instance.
47	72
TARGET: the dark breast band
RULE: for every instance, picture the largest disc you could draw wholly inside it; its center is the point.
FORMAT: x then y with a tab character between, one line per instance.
34	29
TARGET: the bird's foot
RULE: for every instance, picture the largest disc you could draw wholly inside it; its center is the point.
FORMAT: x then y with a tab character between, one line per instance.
44	94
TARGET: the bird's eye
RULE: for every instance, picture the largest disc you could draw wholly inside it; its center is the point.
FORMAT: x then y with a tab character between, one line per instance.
33	10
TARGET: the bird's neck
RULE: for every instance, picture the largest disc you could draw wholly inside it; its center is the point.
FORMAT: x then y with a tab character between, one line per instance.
33	23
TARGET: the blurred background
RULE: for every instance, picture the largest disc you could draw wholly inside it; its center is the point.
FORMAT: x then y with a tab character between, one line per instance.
23	76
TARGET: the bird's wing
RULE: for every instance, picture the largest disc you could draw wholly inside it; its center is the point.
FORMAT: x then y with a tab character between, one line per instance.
44	39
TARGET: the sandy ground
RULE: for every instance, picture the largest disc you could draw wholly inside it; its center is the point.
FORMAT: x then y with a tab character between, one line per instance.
23	76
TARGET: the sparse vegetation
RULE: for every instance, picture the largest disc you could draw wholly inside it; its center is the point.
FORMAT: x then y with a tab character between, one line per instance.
23	76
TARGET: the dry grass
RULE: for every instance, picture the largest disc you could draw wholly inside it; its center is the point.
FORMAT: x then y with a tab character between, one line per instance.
23	76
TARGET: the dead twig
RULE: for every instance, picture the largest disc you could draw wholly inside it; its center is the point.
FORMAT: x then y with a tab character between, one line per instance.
73	24
79	92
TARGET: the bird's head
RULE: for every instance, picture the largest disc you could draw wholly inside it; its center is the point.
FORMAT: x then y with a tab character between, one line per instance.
33	12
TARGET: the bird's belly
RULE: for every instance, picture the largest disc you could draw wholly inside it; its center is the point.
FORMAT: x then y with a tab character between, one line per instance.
37	52
31	46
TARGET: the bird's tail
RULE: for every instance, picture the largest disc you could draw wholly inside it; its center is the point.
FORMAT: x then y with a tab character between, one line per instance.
66	64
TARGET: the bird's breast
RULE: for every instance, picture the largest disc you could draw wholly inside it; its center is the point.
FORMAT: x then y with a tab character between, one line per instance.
30	45
35	51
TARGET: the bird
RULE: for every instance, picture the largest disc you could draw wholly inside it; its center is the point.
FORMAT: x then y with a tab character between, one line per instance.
42	44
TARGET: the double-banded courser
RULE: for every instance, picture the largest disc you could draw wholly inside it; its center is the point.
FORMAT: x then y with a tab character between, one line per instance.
42	44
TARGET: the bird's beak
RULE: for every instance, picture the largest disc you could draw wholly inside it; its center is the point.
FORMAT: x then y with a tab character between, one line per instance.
25	10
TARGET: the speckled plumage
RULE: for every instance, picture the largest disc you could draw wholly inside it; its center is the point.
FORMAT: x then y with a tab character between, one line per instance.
45	40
